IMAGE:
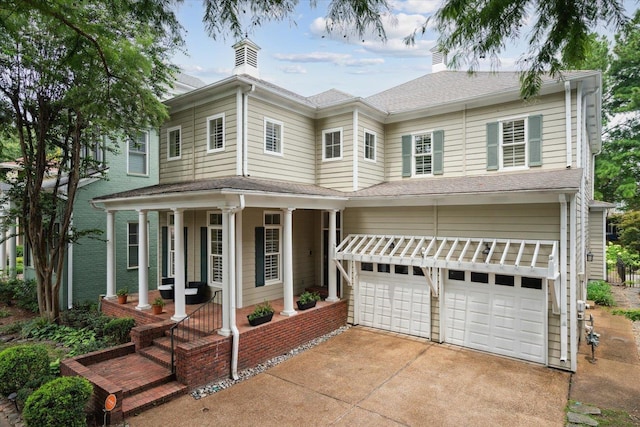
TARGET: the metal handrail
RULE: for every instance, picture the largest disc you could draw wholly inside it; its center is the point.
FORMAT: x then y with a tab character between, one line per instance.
206	315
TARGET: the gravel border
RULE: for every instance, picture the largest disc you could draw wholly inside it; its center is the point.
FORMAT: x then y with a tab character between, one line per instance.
262	367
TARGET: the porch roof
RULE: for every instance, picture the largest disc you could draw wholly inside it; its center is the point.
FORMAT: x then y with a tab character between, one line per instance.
533	258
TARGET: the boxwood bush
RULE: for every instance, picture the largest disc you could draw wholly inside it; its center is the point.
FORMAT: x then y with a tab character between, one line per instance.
60	402
20	365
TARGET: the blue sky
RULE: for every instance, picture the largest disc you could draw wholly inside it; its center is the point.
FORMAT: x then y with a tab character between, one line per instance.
301	56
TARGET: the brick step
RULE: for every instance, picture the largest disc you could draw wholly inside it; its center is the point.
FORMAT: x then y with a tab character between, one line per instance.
143	374
134	404
185	334
158	354
164	343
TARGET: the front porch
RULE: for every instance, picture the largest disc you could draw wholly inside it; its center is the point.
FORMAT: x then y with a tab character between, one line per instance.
140	374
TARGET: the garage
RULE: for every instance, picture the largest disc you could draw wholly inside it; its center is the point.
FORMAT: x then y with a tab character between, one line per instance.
501	314
395	302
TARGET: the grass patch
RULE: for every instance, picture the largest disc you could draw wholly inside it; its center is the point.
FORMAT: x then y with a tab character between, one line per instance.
4	313
615	418
631	314
600	293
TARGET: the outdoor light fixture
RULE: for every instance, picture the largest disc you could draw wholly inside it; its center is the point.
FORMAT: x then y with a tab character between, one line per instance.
486	249
589	256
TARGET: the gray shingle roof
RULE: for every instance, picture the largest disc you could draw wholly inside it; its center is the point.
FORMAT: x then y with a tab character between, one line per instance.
329	97
534	180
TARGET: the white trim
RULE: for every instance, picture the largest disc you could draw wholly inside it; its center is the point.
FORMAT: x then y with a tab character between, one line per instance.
501	122
169	130
210	256
354	150
375	146
240	153
264	137
413	153
279	226
332	130
208	135
567	124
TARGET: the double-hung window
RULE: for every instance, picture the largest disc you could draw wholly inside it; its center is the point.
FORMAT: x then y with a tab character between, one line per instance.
138	157
369	145
514	143
215	133
215	248
273	131
172	246
133	242
423	154
272	246
332	144
174	143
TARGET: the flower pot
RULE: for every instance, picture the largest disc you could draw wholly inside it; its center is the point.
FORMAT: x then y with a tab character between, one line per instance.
122	299
260	320
306	305
157	309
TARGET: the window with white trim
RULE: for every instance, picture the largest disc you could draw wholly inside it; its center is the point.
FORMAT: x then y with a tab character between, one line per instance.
174	143
272	246
172	246
273	132
422	154
332	144
215	133
513	143
369	145
133	242
215	247
137	154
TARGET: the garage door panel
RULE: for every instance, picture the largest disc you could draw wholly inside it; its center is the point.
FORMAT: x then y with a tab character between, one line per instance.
498	319
403	307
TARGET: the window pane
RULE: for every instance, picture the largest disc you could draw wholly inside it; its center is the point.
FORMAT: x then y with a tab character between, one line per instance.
174	143
369	146
332	145
422	154
216	135
273	135
513	143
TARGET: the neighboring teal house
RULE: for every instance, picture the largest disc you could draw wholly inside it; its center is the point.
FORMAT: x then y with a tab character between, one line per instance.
134	164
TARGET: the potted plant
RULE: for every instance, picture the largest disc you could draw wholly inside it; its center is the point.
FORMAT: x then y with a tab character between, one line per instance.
307	300
263	313
122	295
158	305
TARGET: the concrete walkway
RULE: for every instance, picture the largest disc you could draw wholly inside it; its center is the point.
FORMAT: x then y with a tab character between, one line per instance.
370	378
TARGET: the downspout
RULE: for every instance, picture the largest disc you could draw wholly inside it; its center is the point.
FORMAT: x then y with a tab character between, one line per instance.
573	309
245	130
567	109
239	136
70	271
355	150
235	334
563	278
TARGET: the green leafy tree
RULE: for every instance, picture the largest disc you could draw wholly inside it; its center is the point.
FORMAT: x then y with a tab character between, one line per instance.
618	166
629	231
472	30
75	78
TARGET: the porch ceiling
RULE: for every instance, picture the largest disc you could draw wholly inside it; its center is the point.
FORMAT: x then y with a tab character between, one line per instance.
533	258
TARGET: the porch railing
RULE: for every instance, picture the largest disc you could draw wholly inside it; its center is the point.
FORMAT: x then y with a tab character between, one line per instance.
205	320
621	273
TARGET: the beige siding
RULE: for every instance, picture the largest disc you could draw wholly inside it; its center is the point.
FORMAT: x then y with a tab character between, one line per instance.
195	161
404	221
597	245
336	174
297	162
370	172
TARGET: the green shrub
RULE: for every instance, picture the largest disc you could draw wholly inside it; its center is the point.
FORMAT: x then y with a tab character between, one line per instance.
85	315
20	251
28	389
11	328
60	402
631	314
21	364
118	330
24	293
600	293
4	313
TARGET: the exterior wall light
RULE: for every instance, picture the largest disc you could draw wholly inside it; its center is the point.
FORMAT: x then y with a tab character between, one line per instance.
589	256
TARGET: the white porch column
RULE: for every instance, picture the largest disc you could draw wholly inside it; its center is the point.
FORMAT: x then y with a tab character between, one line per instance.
143	256
12	251
227	256
3	251
287	263
179	285
333	280
111	259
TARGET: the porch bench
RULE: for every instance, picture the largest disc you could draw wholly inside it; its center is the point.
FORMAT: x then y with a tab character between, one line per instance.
195	292
166	288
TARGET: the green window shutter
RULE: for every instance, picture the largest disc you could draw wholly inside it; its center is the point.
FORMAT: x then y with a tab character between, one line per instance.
165	251
203	254
260	280
535	141
406	155
492	146
438	152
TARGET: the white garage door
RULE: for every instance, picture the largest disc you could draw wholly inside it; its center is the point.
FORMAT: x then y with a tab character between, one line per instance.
502	319
402	306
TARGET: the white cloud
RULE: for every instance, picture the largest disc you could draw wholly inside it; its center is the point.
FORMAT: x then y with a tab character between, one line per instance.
342	59
293	69
416	6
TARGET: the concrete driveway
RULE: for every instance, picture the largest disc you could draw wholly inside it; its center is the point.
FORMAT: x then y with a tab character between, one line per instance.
364	377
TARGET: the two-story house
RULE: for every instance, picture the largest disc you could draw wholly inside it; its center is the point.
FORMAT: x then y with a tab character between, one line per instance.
447	207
